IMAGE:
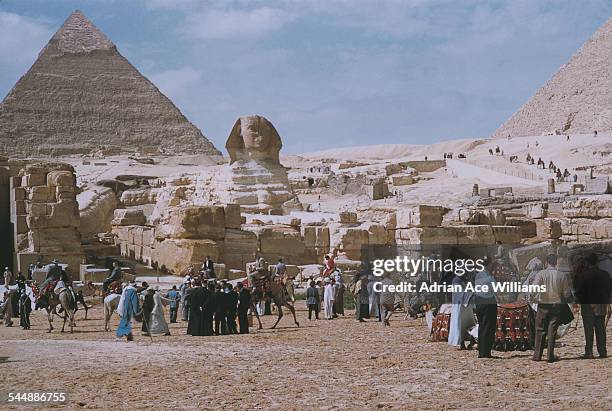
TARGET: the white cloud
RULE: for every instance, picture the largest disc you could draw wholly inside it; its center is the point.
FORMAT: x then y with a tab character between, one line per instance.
21	38
236	23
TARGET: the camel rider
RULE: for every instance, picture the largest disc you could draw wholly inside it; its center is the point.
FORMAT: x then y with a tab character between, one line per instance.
281	274
115	276
258	271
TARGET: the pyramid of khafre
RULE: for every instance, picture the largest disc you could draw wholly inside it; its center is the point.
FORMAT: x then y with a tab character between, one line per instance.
82	96
577	99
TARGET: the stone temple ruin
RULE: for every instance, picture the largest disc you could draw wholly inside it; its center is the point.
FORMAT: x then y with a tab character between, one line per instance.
169	214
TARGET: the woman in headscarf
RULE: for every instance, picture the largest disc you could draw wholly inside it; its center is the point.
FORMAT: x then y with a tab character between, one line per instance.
462	315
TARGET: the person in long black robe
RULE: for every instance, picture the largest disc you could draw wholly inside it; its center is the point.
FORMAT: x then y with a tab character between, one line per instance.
209	309
197	299
244	303
147	309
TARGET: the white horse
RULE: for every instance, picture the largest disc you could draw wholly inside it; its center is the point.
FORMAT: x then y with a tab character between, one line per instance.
111	302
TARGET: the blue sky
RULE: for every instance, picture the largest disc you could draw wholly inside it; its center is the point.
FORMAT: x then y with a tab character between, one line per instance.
328	73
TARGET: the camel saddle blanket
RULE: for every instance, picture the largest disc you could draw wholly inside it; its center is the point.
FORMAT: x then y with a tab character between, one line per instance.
513	326
439	327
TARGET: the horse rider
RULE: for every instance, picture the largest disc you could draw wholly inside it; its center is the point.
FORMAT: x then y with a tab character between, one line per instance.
57	273
114	276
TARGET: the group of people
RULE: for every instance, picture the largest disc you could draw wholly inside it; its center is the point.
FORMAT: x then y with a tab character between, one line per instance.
16	302
552	168
209	307
566	280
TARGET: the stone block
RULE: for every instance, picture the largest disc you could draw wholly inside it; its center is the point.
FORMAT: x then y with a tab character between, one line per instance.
16	181
348	217
232	216
20	207
148	236
55	240
486	216
536	210
420	216
41	194
475	234
602	229
577	226
549	228
177	255
21	224
507	234
33	180
128	217
596	206
19	193
350	241
92	274
238	248
402	180
194	222
528	227
135	235
61	178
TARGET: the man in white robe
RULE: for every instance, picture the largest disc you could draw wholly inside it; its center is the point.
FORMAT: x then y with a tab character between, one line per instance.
328	299
158	322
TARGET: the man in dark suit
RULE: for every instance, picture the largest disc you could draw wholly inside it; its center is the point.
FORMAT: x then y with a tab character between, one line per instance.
230	309
244	303
592	289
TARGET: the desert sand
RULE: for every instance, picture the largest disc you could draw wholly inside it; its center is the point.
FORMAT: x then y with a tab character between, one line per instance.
338	364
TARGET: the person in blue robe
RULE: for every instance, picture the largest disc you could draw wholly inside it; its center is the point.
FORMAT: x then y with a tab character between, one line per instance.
128	309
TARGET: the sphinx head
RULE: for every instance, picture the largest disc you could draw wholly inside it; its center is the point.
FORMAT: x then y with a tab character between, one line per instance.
253	138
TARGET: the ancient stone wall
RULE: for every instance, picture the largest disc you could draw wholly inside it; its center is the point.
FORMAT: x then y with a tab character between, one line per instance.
45	215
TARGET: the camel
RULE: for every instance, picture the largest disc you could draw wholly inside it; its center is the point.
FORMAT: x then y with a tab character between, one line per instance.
280	299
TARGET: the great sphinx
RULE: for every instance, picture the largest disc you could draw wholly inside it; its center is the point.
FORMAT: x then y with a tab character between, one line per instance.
254	177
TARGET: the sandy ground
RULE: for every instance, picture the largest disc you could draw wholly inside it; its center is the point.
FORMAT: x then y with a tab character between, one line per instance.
339	364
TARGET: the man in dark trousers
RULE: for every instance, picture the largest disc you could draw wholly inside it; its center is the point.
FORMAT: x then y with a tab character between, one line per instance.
244	303
220	310
548	316
592	288
209	308
486	312
232	304
147	309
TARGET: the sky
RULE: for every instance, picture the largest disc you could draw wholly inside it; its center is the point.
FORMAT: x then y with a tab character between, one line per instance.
327	73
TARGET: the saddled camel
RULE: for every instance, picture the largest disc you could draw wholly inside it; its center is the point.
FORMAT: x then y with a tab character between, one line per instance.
279	297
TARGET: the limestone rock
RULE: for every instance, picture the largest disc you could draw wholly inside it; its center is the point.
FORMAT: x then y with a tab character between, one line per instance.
128	217
602	229
536	210
549	228
348	217
597	206
527	227
193	222
420	216
177	255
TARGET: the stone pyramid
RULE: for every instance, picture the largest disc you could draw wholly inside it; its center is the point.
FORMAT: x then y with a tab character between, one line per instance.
577	99
81	96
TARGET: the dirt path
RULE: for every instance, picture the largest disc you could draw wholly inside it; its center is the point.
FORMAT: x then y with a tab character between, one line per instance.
339	364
